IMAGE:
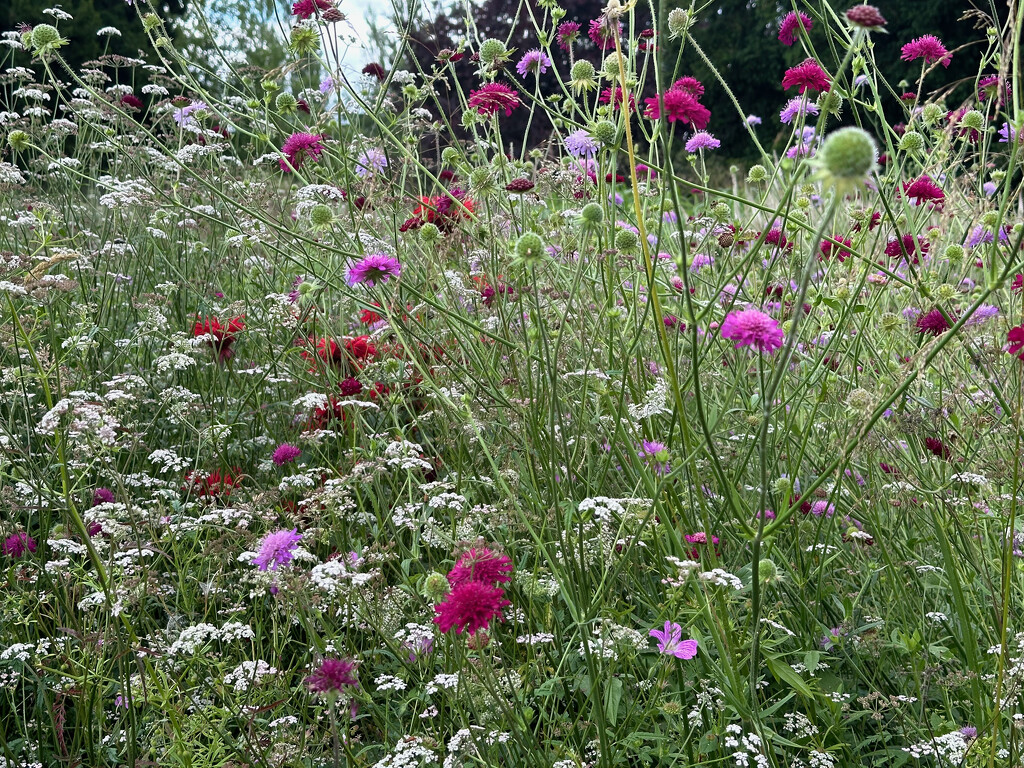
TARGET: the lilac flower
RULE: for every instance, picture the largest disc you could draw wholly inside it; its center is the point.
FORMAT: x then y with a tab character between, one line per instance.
805	145
370	162
326	85
1007	134
535	61
989	188
377	267
277	549
982	314
753	120
671	643
184	117
797	107
702	140
579	143
701	260
657	454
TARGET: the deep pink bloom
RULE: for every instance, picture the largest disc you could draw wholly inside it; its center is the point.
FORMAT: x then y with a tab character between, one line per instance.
915	247
924	190
277	549
828	250
933	324
927	47
937	447
568	31
16	545
809	74
606	98
1016	340
603	34
373	269
681	105
286	453
865	17
752	328
788	29
470	607
102	496
493	97
333	675
306	8
484	565
298	147
671	643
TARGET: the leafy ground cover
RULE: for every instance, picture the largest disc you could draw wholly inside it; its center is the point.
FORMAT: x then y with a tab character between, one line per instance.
337	431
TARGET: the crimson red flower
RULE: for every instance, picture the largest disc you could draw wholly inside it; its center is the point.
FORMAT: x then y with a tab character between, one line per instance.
304	9
809	74
1018	283
131	103
360	347
934	323
484	565
829	249
681	104
606	98
937	447
1016	339
924	190
494	97
907	245
470	607
213	484
793	21
221	336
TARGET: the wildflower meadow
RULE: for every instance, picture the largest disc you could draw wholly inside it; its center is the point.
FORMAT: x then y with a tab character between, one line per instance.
512	404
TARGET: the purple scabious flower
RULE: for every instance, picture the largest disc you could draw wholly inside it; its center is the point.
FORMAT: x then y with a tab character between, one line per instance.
1007	134
753	120
822	507
796	107
326	85
183	116
535	61
656	454
370	162
701	260
969	732
285	454
702	140
377	267
277	549
752	328
671	643
989	188
983	314
579	143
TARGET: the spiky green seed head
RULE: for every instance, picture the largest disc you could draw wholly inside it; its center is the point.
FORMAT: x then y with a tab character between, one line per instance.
757	174
492	50
911	141
530	247
592	214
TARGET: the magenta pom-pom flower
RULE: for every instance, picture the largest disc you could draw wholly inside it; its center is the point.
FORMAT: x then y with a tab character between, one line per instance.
806	76
492	98
373	269
481	564
470	607
794	21
19	544
285	454
333	676
299	147
671	643
752	328
927	47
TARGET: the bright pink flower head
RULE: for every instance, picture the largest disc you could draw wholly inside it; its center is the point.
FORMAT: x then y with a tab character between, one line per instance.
492	98
1016	341
752	328
681	105
924	190
304	9
788	29
568	31
470	607
933	324
915	247
671	643
603	34
18	544
277	549
373	269
866	17
809	74
483	565
285	454
828	250
927	47
333	675
298	147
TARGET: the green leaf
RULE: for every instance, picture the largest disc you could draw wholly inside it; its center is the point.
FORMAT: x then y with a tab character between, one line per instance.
612	698
786	674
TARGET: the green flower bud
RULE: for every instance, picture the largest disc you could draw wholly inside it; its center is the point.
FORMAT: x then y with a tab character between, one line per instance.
429	233
150	22
470	117
847	157
782	486
270	86
678	22
450	156
45	37
830	102
582	75
990	218
321	216
286	103
604	131
625	240
890	321
767	571
954	252
18	140
757	174
492	50
721	211
803	202
932	113
592	214
530	247
998	176
305	39
410	92
947	292
974	120
435	587
911	141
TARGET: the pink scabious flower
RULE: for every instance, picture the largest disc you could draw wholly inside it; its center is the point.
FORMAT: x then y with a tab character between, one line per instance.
702	140
470	607
568	31
285	454
1015	339
277	549
492	98
866	17
373	269
752	328
924	190
671	643
927	47
808	75
603	34
828	249
18	544
484	565
102	496
333	676
535	61
607	96
793	21
914	247
298	147
307	8
680	104
933	324
822	507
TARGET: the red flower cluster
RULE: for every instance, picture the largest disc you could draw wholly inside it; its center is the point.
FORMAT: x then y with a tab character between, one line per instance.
808	75
475	598
213	485
681	102
444	211
222	336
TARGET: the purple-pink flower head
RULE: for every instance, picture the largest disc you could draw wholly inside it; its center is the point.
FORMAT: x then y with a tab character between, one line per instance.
752	328
927	47
19	544
470	607
333	676
183	116
671	643
702	140
102	496
656	454
285	454
794	21
604	31
370	162
373	269
481	564
533	62
797	107
299	147
568	31
492	98
277	549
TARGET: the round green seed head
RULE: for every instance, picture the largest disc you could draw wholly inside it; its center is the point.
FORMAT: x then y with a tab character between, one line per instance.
321	216
912	141
626	240
720	211
830	102
530	247
973	120
435	586
582	70
678	21
45	37
592	214
429	233
757	174
492	50
932	113
611	67
450	156
849	154
954	252
150	22
286	103
990	218
604	131
18	140
767	571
